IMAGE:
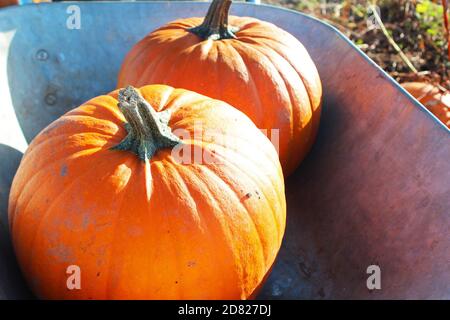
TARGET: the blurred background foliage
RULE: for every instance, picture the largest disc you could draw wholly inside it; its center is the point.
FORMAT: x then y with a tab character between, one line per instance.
416	26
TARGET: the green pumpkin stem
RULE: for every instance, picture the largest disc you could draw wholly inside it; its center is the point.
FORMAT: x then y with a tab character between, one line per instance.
148	130
215	26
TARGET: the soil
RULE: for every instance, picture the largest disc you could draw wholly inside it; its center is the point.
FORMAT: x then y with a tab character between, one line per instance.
417	27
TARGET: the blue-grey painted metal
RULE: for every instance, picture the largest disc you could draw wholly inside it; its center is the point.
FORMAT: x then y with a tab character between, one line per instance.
380	157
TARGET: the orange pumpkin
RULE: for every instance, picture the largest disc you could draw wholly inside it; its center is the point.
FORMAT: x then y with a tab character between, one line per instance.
143	224
432	98
253	65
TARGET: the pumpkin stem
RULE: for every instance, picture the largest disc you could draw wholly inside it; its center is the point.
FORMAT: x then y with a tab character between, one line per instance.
215	26
148	130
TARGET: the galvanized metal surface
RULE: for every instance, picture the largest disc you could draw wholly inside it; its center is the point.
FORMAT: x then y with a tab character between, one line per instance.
374	190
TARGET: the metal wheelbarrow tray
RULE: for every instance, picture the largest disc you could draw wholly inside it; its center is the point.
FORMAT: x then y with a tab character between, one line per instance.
375	190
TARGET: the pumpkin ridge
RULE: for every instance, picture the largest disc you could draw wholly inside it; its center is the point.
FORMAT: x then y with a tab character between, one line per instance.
217	56
203	188
238	168
108	288
153	65
259	107
154	55
268	122
48	210
164	98
175	102
175	63
44	142
165	65
167	182
233	136
25	185
66	152
167	50
288	88
51	132
173	165
235	251
186	126
315	108
237	137
99	109
237	71
176	67
305	82
109	292
237	197
186	192
182	62
102	123
292	99
144	73
98	113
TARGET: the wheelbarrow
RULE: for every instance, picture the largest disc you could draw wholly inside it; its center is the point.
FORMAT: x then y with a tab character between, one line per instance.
373	193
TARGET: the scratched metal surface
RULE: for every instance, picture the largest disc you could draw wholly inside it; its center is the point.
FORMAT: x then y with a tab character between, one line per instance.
374	190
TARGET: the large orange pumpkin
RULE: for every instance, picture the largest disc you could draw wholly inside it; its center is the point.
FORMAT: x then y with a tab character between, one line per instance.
432	98
138	222
253	65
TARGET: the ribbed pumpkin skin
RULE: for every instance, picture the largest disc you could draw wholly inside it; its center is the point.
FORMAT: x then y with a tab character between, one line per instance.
265	72
432	98
148	230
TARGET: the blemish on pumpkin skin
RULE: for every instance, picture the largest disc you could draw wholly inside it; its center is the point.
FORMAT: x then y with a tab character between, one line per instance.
86	221
61	253
246	197
68	223
99	262
191	264
135	231
63	171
